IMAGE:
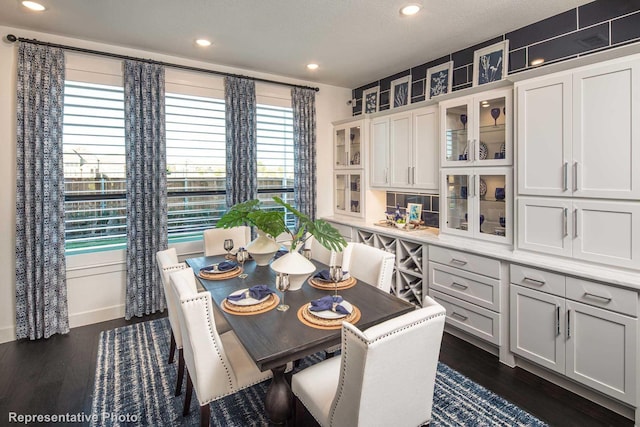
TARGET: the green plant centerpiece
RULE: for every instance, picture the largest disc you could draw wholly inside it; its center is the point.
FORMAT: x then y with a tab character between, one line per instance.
272	223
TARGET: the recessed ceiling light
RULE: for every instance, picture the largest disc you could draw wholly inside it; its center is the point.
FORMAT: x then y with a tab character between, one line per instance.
203	42
537	61
33	6
312	66
410	9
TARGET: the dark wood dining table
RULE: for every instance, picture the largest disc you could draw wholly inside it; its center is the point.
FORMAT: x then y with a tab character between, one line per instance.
275	338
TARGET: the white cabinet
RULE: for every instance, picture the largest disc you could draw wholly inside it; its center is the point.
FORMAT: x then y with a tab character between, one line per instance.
477	203
349	193
591	230
404	150
590	336
348	145
477	130
576	132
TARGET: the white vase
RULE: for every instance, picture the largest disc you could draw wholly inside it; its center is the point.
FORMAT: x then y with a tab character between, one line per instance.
263	248
296	266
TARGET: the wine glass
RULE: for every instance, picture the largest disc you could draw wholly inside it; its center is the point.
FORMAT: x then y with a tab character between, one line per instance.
241	257
336	274
495	113
282	284
463	119
306	252
228	245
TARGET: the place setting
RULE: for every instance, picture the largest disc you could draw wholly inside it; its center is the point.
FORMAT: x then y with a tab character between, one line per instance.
330	311
325	280
248	301
221	270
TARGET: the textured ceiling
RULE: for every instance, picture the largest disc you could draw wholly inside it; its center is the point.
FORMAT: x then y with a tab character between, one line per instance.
354	41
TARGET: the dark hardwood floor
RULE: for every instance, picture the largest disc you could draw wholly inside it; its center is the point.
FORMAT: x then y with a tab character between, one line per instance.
55	376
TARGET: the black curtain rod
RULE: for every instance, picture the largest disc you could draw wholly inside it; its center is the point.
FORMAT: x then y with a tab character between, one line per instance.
11	38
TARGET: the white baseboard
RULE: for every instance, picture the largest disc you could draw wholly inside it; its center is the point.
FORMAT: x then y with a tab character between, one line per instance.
96	316
7	334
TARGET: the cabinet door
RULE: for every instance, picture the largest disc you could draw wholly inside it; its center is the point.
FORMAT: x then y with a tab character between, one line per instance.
606	108
601	350
425	149
544	224
340	147
400	150
493	142
493	212
340	193
607	232
355	146
456	124
379	171
544	136
537	322
455	209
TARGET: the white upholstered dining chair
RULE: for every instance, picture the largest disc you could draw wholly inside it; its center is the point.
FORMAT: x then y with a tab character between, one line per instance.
217	364
214	239
319	252
385	375
369	264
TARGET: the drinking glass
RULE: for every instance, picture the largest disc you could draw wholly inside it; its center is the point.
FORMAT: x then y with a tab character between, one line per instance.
495	113
335	272
241	257
306	252
228	245
282	284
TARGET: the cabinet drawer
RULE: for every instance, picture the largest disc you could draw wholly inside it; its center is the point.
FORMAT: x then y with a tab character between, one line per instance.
470	318
470	287
345	230
464	261
539	280
601	295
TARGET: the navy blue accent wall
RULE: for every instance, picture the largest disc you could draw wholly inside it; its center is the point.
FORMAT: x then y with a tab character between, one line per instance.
590	28
430	205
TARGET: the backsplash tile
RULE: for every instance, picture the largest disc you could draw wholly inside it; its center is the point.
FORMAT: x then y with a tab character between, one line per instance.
430	205
595	26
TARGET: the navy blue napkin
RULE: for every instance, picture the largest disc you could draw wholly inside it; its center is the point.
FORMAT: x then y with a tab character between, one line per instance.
327	303
256	292
223	266
324	275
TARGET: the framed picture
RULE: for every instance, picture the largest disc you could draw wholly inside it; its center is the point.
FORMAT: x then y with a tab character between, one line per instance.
400	92
439	79
490	63
370	100
414	212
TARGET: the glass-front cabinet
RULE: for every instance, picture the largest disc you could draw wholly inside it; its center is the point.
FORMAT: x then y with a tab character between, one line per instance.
477	203
477	130
349	194
348	145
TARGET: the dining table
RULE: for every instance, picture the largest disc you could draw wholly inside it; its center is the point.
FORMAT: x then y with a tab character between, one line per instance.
275	338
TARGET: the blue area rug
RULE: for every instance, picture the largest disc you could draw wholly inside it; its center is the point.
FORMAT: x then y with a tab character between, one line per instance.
134	387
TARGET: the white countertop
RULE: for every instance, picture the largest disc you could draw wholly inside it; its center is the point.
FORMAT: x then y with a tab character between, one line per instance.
431	236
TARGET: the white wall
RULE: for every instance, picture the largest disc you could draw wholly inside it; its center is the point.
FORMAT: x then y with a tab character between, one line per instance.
95	282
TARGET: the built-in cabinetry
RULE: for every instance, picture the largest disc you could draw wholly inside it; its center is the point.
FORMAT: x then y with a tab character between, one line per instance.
475	133
468	287
579	163
585	330
408	281
348	155
404	150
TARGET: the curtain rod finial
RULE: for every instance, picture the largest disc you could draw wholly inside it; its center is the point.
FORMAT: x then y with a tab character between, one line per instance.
11	38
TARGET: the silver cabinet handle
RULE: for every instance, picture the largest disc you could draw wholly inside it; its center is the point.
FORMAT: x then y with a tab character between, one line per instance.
575	176
534	281
413	174
589	294
565	176
568	323
473	149
459	285
386	175
473	185
557	320
408	174
575	223
460	316
458	261
565	231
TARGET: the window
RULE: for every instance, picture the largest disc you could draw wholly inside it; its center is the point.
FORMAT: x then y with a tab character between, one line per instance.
275	155
196	165
94	166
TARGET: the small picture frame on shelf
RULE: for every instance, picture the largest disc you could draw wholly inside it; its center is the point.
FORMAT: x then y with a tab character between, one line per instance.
439	79
414	212
490	63
400	92
370	100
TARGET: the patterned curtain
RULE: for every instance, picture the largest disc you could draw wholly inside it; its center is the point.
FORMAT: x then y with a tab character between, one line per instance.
242	169
146	185
41	281
304	149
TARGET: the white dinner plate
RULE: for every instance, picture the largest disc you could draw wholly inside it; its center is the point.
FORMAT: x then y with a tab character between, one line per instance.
246	301
328	314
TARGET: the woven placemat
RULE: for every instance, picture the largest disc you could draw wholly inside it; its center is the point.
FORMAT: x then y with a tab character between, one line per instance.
220	276
307	317
328	286
247	310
